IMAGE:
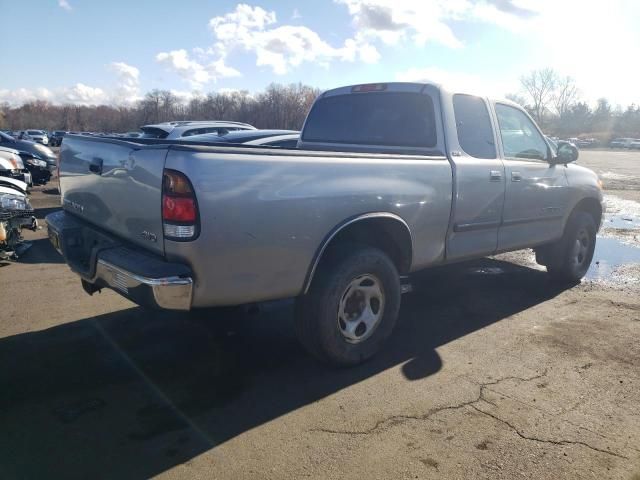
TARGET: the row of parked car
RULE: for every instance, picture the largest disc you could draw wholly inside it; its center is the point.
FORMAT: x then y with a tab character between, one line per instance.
220	132
579	142
628	143
52	138
26	160
202	131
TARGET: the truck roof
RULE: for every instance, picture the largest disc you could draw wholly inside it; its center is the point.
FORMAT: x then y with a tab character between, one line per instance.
409	87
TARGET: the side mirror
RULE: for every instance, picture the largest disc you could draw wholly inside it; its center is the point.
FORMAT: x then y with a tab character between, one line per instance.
567	153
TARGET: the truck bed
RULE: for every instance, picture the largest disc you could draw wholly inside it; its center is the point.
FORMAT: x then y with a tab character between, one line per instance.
264	212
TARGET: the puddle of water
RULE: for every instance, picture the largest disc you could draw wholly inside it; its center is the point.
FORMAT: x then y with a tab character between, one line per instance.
621	213
624	222
618	206
610	254
616	176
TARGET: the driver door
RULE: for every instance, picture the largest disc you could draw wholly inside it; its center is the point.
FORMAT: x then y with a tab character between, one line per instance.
537	192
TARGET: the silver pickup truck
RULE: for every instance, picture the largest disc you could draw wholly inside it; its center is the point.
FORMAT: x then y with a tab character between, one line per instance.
387	179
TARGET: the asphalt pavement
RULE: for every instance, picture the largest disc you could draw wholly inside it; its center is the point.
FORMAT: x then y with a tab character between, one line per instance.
493	372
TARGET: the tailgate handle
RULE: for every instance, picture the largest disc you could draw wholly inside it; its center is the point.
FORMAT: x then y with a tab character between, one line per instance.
96	166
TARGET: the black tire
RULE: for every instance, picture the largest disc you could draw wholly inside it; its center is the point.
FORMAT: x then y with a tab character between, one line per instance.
565	260
319	324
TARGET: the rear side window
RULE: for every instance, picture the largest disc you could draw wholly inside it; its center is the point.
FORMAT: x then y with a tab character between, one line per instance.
150	132
473	124
389	118
203	130
194	131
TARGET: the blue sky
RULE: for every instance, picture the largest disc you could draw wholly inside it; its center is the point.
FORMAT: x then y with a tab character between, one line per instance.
89	51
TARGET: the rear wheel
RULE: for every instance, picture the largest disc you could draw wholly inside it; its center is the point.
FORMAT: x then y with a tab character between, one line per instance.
570	258
351	308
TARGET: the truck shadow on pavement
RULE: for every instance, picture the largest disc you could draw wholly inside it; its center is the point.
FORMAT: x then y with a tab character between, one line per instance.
133	393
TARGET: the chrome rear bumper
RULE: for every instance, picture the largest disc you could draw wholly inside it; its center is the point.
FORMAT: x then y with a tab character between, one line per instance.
172	293
103	261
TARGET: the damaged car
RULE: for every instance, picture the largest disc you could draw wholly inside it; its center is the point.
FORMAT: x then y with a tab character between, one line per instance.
16	214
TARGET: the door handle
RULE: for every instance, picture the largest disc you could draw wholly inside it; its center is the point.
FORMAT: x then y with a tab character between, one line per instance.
495	175
516	176
96	166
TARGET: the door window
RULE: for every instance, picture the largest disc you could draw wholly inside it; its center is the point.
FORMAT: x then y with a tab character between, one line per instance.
473	124
520	137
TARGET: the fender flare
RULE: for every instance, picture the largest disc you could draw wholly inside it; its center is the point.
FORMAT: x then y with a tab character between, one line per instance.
339	228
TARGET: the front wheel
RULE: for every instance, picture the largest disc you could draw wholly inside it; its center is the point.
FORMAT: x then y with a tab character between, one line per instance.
351	308
571	257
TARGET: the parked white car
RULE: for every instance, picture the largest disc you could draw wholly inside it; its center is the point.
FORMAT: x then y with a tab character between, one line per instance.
176	130
269	138
12	166
37	136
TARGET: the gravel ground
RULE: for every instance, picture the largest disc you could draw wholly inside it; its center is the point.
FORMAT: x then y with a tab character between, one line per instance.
493	373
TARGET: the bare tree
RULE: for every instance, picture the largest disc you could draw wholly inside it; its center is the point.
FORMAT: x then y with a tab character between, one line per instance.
565	96
517	98
539	86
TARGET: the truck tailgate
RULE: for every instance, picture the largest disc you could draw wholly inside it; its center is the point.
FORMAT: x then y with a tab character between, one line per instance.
115	185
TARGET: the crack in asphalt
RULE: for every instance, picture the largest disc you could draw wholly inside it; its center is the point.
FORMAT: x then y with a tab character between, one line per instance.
396	419
542	440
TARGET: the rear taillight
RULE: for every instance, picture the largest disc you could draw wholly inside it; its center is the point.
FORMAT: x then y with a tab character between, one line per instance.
179	207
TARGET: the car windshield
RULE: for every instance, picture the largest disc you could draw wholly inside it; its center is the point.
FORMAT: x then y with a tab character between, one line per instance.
34	132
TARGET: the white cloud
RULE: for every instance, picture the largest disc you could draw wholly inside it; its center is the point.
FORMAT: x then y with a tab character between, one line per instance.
186	96
460	82
125	90
64	4
193	71
79	94
285	47
128	88
22	95
593	46
280	48
584	40
240	25
394	21
423	21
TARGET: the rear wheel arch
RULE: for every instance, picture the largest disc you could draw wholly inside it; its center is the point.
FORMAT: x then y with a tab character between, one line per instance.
383	230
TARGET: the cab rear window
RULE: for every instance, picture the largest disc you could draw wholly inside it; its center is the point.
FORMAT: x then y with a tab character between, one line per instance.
380	118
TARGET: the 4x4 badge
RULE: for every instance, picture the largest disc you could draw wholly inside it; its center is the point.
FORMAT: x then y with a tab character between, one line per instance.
152	237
